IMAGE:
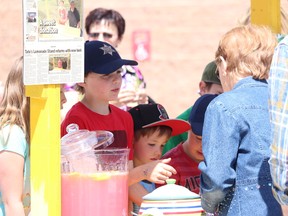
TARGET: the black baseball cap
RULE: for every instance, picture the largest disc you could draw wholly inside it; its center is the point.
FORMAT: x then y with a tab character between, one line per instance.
151	115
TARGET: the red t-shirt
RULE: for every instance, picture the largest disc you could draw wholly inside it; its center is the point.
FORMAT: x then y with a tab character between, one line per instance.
188	174
118	122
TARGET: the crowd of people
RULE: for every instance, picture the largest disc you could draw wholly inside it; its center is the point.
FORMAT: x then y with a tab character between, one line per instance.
220	147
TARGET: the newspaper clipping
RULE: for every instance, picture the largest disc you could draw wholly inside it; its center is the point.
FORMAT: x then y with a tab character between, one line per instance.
53	41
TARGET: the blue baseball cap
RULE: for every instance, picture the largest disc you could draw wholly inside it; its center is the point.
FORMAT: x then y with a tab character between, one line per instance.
102	58
197	114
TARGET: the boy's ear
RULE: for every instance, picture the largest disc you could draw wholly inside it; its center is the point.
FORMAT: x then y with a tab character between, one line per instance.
202	87
82	84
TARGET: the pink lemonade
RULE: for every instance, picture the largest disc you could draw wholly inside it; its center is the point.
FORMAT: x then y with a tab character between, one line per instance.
102	193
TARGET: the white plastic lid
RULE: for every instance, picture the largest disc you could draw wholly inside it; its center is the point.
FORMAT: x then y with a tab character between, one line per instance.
171	191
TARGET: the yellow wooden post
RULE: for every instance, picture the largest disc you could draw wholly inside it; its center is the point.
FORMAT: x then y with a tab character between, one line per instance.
266	12
45	149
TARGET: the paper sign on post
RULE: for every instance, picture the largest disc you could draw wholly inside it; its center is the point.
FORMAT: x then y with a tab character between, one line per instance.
53	42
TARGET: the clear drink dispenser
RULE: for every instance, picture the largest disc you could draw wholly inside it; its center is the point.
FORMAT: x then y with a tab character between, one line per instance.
94	179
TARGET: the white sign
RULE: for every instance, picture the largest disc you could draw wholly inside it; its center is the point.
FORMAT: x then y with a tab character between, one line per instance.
53	42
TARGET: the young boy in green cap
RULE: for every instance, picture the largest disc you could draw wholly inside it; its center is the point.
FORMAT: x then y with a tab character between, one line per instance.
209	84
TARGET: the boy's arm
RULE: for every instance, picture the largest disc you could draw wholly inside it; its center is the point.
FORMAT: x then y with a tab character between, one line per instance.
154	171
136	192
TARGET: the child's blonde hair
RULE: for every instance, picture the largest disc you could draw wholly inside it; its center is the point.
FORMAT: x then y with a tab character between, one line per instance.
248	51
14	108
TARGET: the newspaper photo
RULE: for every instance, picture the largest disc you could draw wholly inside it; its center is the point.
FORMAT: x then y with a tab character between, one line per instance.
53	41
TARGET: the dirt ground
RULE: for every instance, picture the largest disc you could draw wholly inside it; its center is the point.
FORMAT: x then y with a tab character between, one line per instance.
184	36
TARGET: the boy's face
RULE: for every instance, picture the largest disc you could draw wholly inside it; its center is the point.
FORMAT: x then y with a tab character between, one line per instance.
149	148
195	147
214	89
102	87
210	89
104	31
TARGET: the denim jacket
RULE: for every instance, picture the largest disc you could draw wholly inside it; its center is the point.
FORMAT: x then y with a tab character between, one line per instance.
235	177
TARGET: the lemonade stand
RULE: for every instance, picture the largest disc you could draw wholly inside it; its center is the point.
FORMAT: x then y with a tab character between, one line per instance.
45	105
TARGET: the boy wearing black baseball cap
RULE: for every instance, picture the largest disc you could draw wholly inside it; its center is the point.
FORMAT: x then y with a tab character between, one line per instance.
152	129
102	82
186	156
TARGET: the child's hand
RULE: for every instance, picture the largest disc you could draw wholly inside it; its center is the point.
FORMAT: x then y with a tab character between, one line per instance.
125	97
159	171
141	97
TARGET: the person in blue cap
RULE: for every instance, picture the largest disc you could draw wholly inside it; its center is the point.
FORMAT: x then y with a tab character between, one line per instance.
109	25
102	83
186	156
